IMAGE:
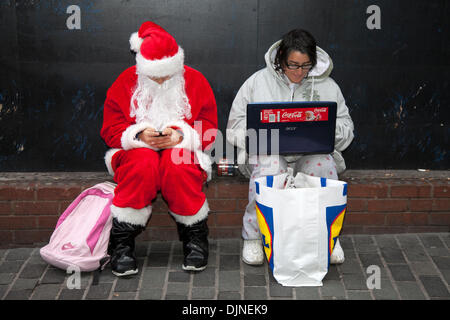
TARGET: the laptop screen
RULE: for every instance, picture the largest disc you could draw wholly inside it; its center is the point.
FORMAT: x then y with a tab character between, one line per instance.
291	127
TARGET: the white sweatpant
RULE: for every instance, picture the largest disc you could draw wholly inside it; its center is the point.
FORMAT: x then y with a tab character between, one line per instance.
319	165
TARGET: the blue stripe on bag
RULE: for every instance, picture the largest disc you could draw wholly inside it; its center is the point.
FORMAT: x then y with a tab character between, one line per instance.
323	182
257	187
344	193
269	181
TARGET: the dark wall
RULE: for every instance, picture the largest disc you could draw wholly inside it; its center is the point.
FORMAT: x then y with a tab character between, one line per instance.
53	80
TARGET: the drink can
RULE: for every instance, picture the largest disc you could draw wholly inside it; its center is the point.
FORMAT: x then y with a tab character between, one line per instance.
226	167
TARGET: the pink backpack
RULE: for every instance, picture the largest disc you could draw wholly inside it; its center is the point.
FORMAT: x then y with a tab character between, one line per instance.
81	235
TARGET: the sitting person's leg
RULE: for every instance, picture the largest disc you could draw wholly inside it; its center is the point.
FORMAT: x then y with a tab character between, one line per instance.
322	165
252	252
181	187
136	174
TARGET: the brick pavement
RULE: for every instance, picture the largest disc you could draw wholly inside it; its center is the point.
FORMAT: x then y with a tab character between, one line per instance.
413	266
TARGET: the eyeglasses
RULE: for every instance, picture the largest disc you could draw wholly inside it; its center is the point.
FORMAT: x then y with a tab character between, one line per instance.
305	67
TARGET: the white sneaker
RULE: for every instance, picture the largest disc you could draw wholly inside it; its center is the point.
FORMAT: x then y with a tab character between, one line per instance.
337	256
252	252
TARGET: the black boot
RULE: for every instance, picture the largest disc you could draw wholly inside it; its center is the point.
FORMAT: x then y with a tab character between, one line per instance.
121	248
195	245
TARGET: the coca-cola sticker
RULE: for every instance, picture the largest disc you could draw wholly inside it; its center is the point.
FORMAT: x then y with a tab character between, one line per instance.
294	115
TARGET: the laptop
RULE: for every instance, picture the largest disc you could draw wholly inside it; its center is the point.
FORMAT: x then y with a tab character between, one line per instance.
291	127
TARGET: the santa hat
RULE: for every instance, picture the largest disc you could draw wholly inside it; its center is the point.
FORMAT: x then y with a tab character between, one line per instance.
157	53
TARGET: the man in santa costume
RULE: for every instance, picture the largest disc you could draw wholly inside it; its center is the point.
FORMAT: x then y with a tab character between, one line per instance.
159	118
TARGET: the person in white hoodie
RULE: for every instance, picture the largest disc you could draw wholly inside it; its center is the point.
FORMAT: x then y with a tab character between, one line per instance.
296	70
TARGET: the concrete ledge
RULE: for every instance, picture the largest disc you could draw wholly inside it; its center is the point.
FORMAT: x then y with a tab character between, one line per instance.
379	201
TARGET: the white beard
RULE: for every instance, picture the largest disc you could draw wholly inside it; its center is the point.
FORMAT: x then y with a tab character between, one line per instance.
160	104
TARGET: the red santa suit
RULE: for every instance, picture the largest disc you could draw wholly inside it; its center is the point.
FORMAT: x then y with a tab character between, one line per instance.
141	170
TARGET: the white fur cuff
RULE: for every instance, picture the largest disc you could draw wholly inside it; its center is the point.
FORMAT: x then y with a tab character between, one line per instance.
108	160
131	215
202	214
191	138
129	140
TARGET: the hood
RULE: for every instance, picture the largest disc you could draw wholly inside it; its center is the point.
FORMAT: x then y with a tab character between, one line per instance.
320	71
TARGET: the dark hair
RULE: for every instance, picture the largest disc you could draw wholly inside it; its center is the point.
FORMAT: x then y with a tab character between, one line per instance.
296	40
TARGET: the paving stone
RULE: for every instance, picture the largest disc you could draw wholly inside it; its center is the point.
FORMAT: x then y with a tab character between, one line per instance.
178	289
386	291
424	268
100	291
391	255
401	272
387	241
410	290
307	293
369	259
150	294
32	271
154	278
417	264
19	294
277	290
355	282
255	293
442	262
229	262
203	293
333	273
333	288
10	266
46	292
157	259
434	286
415	254
19	254
161	247
179	276
229	280
230	246
358	295
254	280
24	284
249	269
431	241
6	278
227	295
127	284
408	240
123	296
177	262
206	278
71	294
53	275
350	266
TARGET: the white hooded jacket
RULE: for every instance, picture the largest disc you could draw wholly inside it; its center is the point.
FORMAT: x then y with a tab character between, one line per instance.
268	85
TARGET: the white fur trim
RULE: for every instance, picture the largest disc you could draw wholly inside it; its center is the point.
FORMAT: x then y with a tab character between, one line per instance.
160	68
131	215
191	138
191	141
108	159
129	140
202	214
135	42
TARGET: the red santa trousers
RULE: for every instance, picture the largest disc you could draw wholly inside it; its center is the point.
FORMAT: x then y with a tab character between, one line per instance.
140	173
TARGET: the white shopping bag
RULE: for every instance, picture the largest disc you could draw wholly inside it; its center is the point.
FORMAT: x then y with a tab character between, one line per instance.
299	225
